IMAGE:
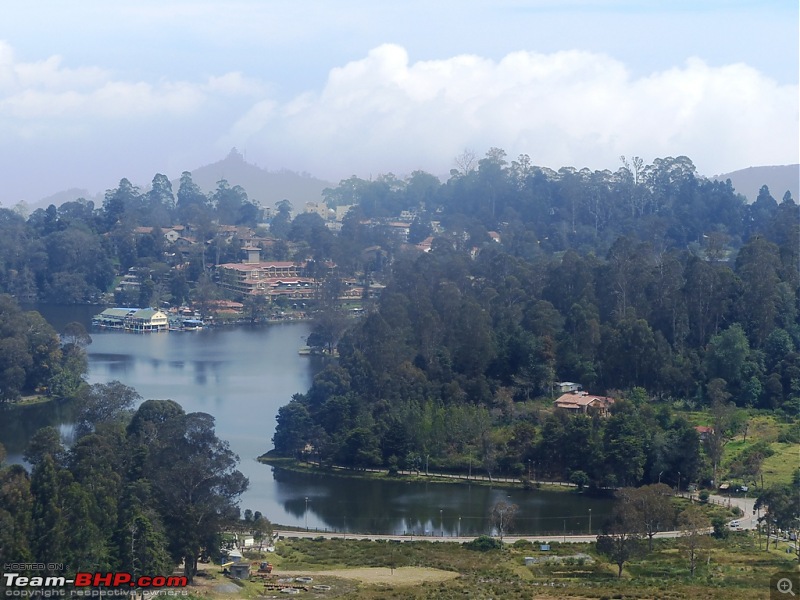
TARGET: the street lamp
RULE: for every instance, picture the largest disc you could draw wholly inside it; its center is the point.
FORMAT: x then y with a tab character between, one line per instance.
659	476
679	483
306	513
590	521
459	526
441	522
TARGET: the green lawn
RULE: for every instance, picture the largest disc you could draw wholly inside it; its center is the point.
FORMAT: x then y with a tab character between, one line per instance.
731	569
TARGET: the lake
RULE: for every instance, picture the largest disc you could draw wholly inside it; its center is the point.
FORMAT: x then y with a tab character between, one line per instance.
242	376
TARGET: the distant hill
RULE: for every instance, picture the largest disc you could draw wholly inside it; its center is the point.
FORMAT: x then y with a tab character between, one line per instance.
69	195
266	187
777	178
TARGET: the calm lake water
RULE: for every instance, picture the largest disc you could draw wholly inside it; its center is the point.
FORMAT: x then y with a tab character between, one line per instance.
242	376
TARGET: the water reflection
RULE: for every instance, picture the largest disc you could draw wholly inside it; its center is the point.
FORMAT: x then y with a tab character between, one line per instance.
414	508
18	424
243	376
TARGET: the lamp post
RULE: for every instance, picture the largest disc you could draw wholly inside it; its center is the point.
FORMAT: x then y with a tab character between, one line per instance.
590	521
679	483
441	522
306	513
565	530
659	476
459	526
427	456
529	469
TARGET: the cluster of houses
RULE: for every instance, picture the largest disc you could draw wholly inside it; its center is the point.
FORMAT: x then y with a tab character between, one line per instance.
275	279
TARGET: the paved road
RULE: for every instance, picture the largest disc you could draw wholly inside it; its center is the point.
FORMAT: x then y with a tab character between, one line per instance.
509	539
747	521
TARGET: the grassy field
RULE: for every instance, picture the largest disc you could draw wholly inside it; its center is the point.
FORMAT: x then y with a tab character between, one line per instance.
731	569
780	467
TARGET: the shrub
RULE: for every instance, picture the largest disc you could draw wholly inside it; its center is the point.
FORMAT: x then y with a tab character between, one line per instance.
790	436
703	496
483	543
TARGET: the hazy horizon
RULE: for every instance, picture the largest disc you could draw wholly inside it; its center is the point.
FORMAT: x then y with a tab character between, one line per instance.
95	92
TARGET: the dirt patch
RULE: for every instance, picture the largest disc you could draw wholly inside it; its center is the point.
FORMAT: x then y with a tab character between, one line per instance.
382	575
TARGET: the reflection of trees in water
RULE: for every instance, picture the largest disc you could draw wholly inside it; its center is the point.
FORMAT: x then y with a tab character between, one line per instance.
405	507
18	424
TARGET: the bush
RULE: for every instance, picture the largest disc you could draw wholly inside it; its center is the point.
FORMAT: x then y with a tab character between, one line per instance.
703	496
790	436
483	543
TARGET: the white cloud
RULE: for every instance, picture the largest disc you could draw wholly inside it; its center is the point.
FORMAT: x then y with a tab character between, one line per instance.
31	93
576	108
48	74
385	112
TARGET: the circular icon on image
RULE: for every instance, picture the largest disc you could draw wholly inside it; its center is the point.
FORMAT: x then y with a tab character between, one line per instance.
784	586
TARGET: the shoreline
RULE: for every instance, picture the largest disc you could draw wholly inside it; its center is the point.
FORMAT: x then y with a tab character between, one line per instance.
300	466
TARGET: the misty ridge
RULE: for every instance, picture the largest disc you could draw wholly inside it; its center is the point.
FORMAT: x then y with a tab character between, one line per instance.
271	186
73	252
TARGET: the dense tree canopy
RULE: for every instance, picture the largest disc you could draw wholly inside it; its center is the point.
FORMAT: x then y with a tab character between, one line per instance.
650	278
149	490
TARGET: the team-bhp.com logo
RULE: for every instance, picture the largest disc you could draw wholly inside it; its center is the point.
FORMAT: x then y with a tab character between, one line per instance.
89	584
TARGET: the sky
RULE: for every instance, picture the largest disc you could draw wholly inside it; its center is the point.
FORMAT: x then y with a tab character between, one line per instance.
92	91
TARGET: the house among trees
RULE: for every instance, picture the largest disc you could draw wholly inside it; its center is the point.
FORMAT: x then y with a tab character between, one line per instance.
704	431
582	402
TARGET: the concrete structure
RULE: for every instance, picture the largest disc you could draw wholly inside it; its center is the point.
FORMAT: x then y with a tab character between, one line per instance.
568	386
139	320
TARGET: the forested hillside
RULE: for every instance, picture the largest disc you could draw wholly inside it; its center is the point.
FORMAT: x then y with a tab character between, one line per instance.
648	284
